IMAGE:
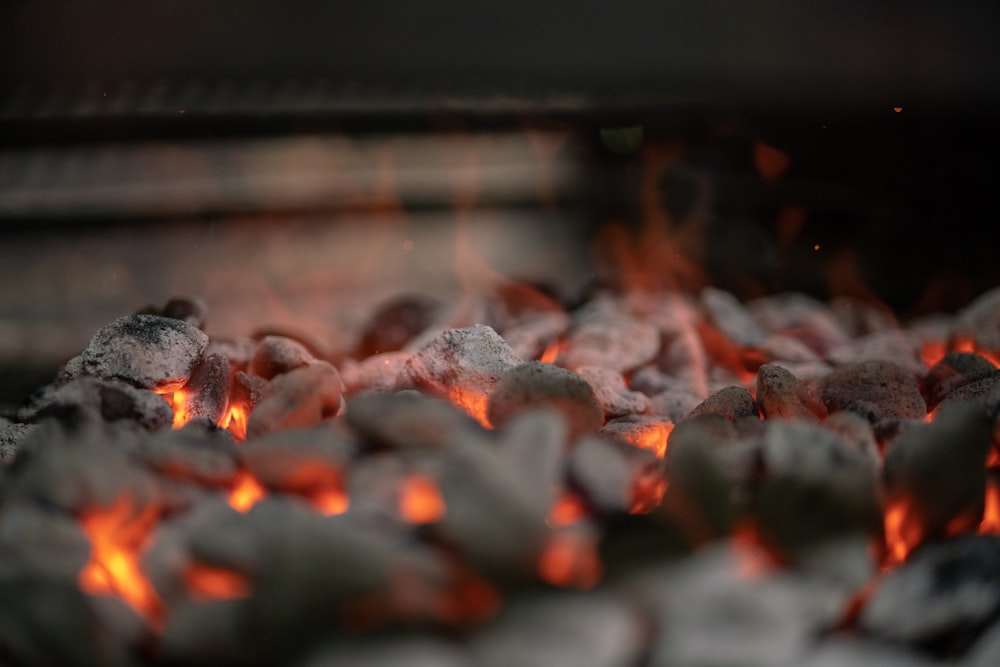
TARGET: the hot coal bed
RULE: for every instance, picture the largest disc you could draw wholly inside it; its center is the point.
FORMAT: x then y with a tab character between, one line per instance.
646	478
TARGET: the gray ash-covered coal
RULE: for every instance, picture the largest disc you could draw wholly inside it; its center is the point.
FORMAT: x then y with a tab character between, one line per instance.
693	481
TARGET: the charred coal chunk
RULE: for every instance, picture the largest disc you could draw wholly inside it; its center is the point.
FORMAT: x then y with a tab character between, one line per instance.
536	384
205	456
985	391
781	395
935	474
302	461
91	400
941	598
278	354
603	335
955	370
377	374
876	390
533	444
900	347
612	393
192	310
462	365
207	392
300	398
604	473
10	434
146	351
409	421
731	402
395	323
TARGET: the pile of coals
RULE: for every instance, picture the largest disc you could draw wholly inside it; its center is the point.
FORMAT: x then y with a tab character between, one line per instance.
645	479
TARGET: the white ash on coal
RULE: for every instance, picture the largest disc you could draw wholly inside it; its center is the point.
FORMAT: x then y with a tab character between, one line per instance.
648	479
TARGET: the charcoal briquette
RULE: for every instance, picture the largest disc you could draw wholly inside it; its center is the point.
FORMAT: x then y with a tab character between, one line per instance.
876	390
781	395
731	402
207	392
299	398
613	395
278	354
536	384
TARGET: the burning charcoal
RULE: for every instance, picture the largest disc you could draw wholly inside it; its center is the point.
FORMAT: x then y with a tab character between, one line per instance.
611	392
983	390
603	474
860	318
11	434
710	610
488	516
807	317
276	355
395	323
731	402
246	390
91	399
146	351
532	444
979	322
531	337
816	488
207	392
986	651
300	398
306	461
953	371
857	432
239	351
850	652
606	337
935	474
899	347
208	633
647	432
781	395
77	471
400	651
876	390
941	598
400	421
674	404
462	365
731	317
190	453
194	311
784	348
535	384
49	621
375	375
562	630
41	543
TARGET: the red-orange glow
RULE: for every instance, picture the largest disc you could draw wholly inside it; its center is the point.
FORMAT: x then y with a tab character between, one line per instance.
728	354
552	352
897	109
991	517
753	558
235	422
178	401
652	437
902	532
567	510
330	502
968	345
769	161
570	560
246	492
117	535
420	501
647	494
205	582
933	351
993	458
473	403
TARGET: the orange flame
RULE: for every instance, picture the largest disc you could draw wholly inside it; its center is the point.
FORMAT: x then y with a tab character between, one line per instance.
902	533
117	535
567	510
235	422
246	492
652	437
931	352
991	517
420	501
205	582
570	560
552	352
178	401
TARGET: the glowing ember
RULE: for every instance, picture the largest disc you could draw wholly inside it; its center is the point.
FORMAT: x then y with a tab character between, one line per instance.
205	582
653	437
330	502
967	345
246	492
180	410
932	352
567	510
473	403
117	535
420	501
552	352
570	560
647	494
902	534
235	422
991	517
